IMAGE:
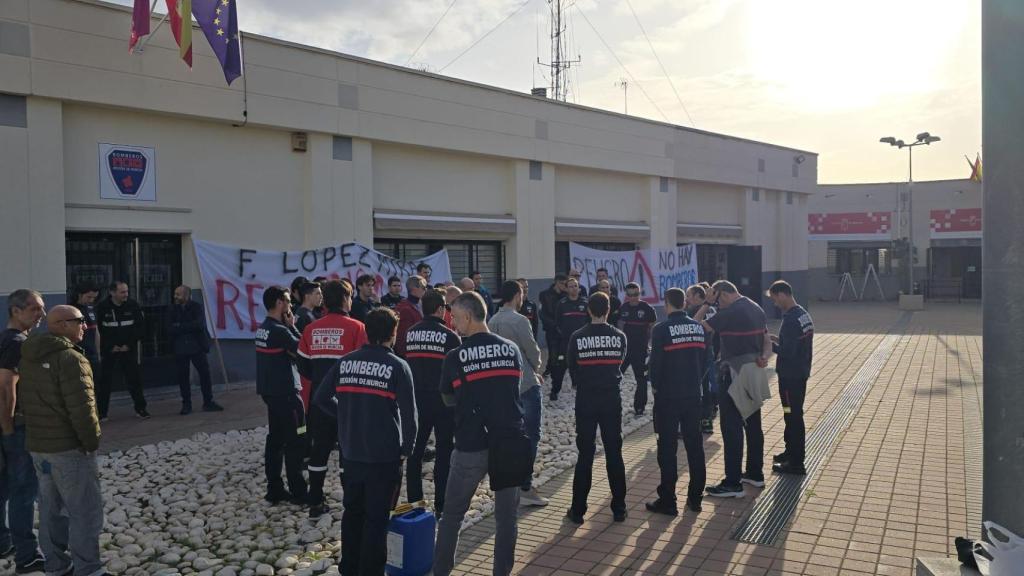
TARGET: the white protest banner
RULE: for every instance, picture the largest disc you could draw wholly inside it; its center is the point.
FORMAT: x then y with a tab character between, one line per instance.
234	278
655	270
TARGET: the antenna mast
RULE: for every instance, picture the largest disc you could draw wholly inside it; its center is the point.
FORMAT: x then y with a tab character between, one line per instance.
560	62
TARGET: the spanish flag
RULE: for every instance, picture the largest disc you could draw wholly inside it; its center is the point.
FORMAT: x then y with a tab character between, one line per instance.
975	167
180	12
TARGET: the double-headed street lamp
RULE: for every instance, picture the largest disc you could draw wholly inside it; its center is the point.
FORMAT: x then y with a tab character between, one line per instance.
926	139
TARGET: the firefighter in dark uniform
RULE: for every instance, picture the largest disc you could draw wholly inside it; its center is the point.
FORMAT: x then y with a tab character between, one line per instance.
122	326
795	349
365	298
370	393
595	356
529	307
636	318
394	295
322	344
312	298
426	345
549	299
277	382
678	354
571	315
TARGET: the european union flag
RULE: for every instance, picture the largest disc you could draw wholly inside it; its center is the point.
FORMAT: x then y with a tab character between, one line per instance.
219	21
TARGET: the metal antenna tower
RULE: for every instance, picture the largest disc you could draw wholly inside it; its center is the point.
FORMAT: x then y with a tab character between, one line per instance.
560	62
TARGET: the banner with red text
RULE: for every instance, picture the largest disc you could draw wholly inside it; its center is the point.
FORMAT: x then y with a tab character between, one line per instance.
654	269
234	277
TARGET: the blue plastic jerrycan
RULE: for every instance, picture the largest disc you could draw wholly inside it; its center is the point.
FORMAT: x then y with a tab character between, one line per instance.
411	540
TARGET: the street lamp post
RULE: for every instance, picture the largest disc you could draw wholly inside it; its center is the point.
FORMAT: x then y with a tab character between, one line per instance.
924	138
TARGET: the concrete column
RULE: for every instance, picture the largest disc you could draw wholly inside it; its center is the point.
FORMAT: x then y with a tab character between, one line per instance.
45	219
531	252
1002	25
664	199
339	193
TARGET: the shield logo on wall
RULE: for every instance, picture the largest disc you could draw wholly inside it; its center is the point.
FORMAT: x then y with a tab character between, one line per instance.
128	170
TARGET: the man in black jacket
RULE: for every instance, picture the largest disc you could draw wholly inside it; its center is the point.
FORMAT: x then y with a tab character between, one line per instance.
277	382
122	326
571	314
186	328
529	308
370	393
795	349
426	345
480	379
637	318
595	357
549	319
365	298
678	354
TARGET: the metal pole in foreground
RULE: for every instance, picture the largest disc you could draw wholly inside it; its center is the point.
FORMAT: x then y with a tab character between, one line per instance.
1002	23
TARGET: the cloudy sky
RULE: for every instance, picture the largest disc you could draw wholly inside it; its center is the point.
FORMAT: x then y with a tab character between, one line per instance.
831	76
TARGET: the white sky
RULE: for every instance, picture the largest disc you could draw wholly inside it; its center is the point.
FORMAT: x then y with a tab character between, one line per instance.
830	76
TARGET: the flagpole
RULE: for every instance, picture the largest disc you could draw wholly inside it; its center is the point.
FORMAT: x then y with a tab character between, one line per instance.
138	49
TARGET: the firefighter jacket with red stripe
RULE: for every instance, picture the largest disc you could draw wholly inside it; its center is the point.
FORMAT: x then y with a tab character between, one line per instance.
678	354
324	342
276	345
595	357
570	315
481	379
370	393
426	346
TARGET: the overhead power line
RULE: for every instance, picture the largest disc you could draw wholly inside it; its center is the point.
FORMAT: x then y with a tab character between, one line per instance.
432	28
632	78
658	58
482	38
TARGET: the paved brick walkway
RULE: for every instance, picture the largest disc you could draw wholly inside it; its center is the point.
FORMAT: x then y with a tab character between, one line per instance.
902	481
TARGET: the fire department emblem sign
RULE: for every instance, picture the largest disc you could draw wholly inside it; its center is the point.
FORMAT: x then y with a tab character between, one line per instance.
127	172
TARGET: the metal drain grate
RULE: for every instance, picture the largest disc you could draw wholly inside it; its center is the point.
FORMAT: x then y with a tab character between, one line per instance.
779	500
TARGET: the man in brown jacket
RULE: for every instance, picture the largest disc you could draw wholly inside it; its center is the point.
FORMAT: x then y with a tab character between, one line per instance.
63	432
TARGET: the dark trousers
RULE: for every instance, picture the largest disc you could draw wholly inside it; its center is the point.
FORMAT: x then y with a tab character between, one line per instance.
590	415
709	392
127	365
671	417
434	416
792	391
323	437
553	347
558	370
638	361
734	430
183	362
286	438
371	492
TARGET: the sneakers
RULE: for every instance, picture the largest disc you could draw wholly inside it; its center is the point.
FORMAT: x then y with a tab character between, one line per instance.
619	516
780	457
531	498
429	454
755	481
318	510
186	409
5	552
141	413
212	406
707	426
659	507
693	503
638	413
34	565
723	490
553	397
573	516
788	468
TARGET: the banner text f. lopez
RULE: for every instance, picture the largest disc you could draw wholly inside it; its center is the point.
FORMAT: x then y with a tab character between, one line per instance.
323	260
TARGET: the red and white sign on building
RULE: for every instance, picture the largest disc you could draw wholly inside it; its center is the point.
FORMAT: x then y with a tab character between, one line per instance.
850	226
956	223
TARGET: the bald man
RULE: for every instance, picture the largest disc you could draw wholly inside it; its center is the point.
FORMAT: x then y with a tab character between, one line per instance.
186	329
63	432
467	285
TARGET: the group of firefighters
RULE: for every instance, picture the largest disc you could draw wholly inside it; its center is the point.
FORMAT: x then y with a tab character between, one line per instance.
379	378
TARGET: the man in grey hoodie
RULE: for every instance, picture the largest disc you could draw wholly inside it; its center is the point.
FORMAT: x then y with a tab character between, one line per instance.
509	323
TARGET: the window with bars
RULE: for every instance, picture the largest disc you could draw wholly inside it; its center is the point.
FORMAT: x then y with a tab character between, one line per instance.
857	260
464	257
562	252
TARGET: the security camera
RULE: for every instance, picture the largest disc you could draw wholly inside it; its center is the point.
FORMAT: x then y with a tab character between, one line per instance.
799	159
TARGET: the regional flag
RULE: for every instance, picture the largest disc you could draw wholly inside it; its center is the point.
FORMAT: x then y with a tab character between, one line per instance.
182	27
219	21
140	23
